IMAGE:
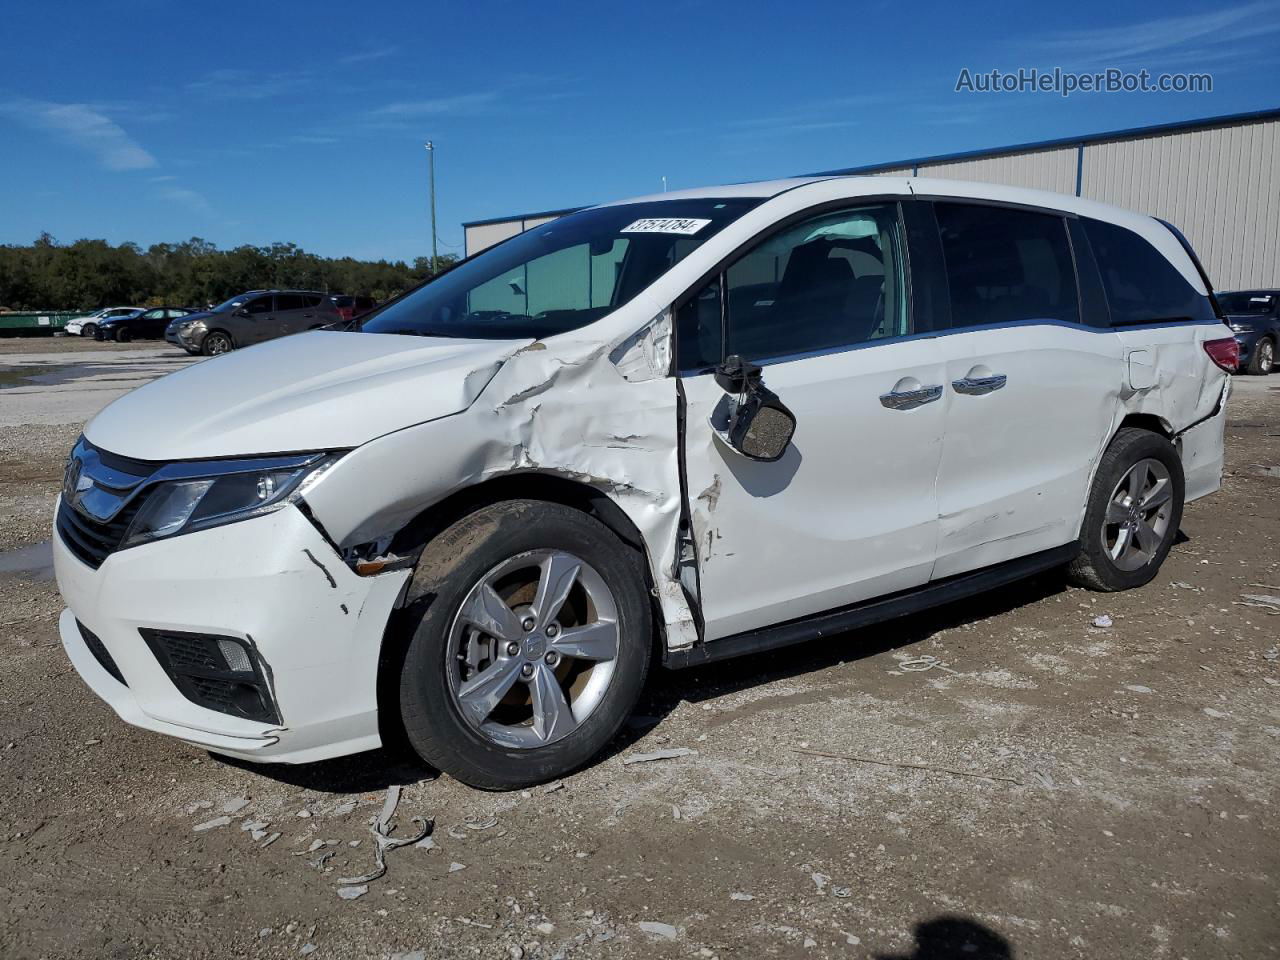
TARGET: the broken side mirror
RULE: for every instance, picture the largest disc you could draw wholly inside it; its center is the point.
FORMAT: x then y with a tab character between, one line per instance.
759	426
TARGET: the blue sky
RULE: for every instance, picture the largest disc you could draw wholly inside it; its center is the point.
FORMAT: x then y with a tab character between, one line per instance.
274	121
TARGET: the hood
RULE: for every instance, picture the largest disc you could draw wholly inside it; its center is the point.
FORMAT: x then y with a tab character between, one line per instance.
198	315
314	391
1247	319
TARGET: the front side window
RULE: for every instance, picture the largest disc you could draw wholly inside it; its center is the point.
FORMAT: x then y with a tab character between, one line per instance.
560	276
258	305
1142	285
1247	304
289	301
830	281
1005	266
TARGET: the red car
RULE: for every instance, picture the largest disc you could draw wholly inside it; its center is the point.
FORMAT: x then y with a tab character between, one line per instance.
352	307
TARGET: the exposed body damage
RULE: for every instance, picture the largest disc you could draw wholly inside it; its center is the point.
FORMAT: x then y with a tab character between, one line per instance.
596	411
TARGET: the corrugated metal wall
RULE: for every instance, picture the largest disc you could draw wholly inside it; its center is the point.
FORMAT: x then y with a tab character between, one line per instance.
1042	170
1219	185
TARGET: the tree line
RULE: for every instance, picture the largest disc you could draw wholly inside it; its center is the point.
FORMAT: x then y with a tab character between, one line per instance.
90	274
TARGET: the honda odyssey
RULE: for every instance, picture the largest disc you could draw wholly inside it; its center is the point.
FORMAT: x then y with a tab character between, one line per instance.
667	430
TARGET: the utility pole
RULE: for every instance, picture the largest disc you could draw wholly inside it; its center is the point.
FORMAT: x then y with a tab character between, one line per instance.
431	173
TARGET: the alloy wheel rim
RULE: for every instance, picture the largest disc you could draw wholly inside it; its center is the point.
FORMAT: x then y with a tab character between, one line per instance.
1137	516
1265	355
532	649
218	346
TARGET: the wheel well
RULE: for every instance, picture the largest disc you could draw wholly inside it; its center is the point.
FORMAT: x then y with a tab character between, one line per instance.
1147	421
434	520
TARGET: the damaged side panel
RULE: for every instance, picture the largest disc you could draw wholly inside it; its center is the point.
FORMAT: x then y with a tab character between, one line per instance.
601	411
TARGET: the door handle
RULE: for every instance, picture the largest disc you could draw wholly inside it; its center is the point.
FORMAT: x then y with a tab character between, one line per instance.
909	399
977	386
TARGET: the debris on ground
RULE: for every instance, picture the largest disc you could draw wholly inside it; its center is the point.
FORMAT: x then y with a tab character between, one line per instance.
1102	621
907	766
668	754
455	866
664	930
553	787
923	663
351	893
473	822
383	841
236	805
211	824
744	897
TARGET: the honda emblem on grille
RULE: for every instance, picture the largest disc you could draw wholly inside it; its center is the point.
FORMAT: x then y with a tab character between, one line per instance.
74	483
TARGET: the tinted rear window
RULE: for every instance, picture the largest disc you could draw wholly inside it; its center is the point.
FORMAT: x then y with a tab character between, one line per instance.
1142	286
290	301
1006	265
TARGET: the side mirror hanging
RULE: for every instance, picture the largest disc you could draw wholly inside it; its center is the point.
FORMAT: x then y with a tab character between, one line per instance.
760	426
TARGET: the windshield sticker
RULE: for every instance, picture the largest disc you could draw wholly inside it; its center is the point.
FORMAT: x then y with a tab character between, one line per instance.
683	225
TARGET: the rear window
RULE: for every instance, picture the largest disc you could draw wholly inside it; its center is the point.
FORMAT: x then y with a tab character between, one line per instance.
290	301
1006	265
1142	286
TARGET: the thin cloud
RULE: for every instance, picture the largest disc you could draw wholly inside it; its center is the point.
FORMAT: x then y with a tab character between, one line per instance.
84	128
193	201
462	103
1185	34
367	55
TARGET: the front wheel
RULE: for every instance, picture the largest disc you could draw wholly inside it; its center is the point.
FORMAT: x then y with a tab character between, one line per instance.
1134	511
1264	355
531	641
88	330
123	335
215	343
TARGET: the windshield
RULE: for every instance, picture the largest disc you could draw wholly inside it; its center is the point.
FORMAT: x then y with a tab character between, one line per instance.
1238	303
559	276
230	304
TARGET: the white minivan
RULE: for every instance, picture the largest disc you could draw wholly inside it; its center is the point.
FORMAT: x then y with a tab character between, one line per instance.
667	430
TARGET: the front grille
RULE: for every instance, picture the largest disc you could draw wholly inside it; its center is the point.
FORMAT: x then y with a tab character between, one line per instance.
91	540
199	669
99	651
116	490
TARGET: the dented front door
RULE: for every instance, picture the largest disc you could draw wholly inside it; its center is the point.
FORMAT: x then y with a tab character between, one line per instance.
848	513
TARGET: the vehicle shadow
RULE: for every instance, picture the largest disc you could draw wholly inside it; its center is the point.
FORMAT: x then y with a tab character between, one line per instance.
667	689
954	938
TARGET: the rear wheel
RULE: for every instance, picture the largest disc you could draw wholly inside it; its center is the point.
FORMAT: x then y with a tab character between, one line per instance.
1264	355
531	641
1135	508
215	342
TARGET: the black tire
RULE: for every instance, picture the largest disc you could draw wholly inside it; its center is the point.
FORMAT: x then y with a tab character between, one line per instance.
215	339
1264	354
123	335
88	330
1094	568
451	565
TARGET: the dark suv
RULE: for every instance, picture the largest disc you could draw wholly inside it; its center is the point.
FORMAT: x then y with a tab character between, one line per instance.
251	318
1254	316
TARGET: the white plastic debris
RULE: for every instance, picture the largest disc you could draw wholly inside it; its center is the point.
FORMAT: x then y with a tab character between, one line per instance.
236	805
455	867
664	930
668	754
741	897
1216	714
211	824
1102	621
351	893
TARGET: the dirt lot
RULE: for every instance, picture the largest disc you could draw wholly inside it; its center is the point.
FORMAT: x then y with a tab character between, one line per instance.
1050	788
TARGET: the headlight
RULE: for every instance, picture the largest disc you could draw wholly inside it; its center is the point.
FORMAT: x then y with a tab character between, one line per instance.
196	496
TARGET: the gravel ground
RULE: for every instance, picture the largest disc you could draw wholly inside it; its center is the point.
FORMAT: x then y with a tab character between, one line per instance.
1048	788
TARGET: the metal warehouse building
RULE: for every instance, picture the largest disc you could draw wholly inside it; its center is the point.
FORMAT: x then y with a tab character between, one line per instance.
1217	179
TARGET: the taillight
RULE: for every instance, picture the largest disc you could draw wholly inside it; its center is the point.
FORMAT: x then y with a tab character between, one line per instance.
1225	353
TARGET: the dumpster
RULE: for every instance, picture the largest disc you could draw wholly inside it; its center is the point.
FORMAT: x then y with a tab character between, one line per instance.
37	321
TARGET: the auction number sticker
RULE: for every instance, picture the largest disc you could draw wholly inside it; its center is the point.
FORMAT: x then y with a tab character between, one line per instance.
682	225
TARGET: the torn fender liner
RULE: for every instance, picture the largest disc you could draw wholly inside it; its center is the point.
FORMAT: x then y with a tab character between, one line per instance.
597	406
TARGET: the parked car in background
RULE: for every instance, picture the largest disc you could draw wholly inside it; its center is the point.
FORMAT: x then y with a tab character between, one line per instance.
695	425
1254	315
88	326
141	325
252	317
351	307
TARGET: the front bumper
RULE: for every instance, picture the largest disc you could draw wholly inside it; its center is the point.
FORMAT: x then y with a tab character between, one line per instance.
272	581
1247	340
189	340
